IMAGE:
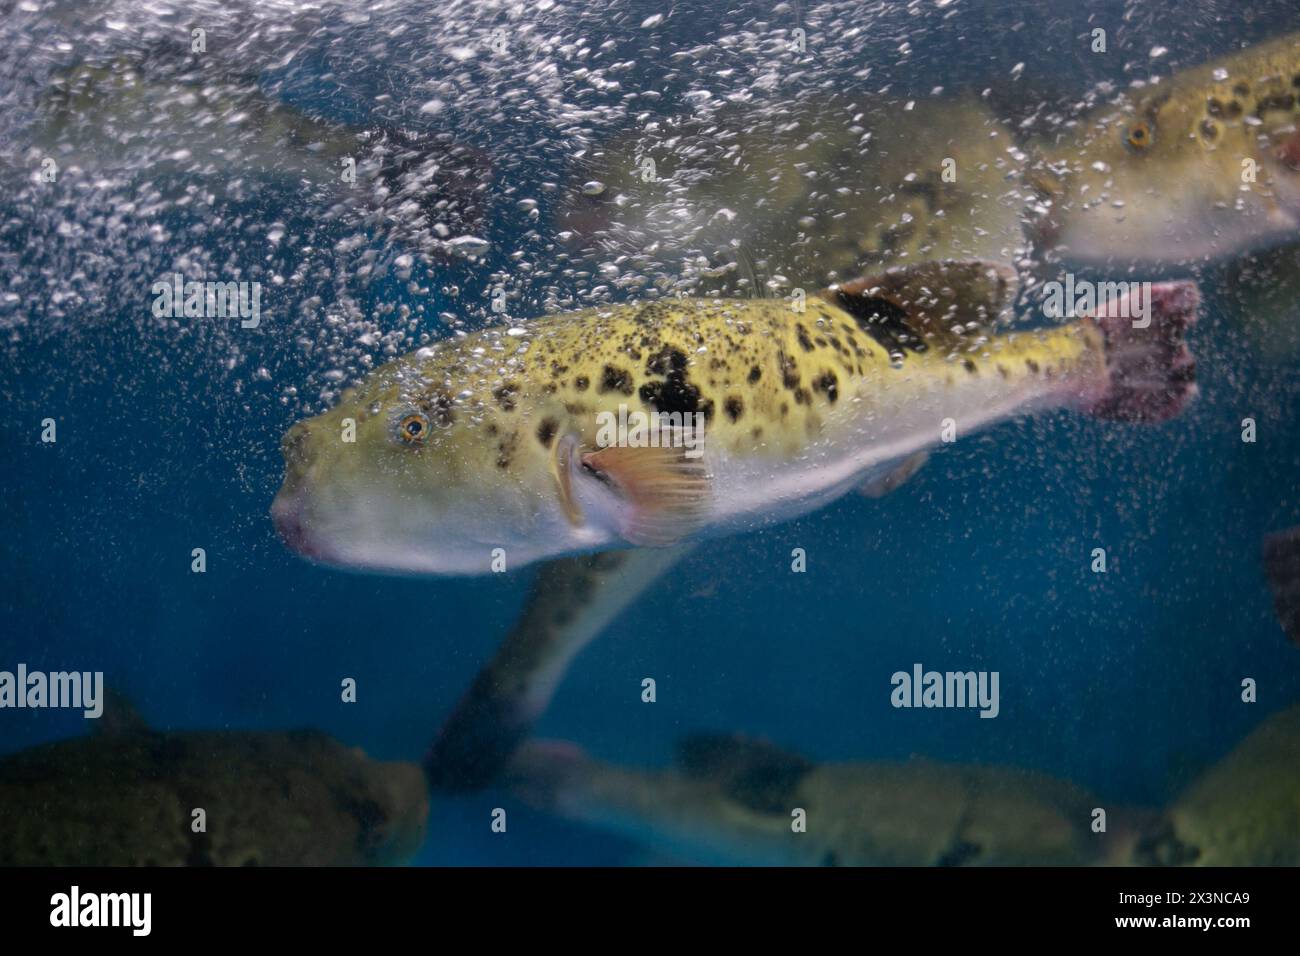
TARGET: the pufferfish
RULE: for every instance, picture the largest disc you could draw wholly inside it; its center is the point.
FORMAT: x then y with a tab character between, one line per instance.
1201	165
125	796
730	801
496	445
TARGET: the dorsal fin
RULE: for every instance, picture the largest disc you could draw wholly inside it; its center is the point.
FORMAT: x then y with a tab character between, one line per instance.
911	308
754	773
120	716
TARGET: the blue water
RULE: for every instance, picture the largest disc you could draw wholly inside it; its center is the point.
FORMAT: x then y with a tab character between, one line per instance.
1127	683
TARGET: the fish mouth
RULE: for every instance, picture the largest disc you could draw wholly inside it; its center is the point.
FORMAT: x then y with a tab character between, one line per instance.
287	514
289	510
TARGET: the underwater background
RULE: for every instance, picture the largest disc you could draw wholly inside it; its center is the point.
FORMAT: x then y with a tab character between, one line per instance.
1127	682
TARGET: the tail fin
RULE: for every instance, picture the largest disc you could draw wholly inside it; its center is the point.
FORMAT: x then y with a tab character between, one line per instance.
1151	372
1282	565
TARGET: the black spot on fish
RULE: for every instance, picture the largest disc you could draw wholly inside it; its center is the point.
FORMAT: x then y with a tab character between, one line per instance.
804	342
546	431
734	407
436	404
506	450
1003	371
1295	81
1031	365
802	396
1214	106
1234	110
1241	89
828	383
926	189
675	393
505	396
969	366
884	321
1275	101
667	361
755	374
371	821
960	853
789	370
581	383
616	380
1209	130
1162	847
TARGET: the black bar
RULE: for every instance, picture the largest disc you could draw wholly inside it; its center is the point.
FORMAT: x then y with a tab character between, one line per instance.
245	905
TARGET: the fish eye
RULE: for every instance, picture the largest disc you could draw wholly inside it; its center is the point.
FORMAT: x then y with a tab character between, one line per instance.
413	428
1139	136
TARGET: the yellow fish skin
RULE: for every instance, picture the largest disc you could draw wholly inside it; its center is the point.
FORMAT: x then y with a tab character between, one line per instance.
493	447
1199	166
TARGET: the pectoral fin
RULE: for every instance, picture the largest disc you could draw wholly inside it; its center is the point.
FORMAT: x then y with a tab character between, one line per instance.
119	716
666	492
562	458
880	485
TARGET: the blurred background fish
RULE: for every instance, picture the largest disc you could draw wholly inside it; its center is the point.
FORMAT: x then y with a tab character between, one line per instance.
748	201
738	801
126	795
185	125
1243	811
1203	164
